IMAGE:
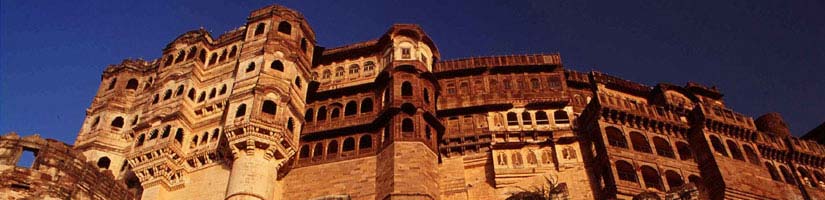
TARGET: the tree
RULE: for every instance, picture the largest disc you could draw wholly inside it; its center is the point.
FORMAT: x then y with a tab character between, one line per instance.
550	190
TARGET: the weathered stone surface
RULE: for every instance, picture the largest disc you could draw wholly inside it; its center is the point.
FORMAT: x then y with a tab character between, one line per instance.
261	112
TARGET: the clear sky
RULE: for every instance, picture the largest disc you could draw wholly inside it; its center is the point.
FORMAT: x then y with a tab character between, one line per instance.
764	55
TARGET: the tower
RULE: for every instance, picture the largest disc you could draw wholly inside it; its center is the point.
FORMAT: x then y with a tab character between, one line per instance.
407	161
106	134
266	106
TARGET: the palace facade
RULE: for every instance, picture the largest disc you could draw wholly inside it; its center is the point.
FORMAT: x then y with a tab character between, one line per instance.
262	112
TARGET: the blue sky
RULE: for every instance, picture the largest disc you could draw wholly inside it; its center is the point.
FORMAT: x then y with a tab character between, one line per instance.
764	55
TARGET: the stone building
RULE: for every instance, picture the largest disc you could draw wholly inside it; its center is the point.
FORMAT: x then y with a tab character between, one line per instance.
262	112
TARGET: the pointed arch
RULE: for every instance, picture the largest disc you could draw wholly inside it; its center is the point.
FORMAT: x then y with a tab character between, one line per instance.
332	148
309	115
117	122
277	65
240	111
349	144
132	84
734	150
651	178
259	29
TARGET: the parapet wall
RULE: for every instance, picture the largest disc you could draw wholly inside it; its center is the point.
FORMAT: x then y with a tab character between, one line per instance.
56	172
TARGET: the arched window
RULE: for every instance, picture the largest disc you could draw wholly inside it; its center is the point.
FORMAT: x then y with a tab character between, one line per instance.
290	124
407	125
132	84
349	144
194	142
534	83
223	90
787	174
526	118
426	96
251	67
167	94
673	179
751	155
233	51
269	107
351	108
639	142
663	148
332	148
285	27
304	152
322	113
651	178
117	122
531	158
277	65
339	72
298	81
309	115
260	28
365	142
369	67
168	60
615	137
153	134
303	44
717	145
140	140
213	58
502	158
512	119
212	93
155	99
179	91
241	111
734	150
179	135
318	152
166	131
354	69
819	178
406	89
517	160
625	171
202	97
806	177
215	134
335	113
326	74
181	55
561	117
205	137
192	52
684	151
112	84
541	118
103	162
366	105
202	56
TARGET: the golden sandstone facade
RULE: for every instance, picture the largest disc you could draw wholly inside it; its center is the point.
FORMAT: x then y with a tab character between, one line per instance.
261	112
